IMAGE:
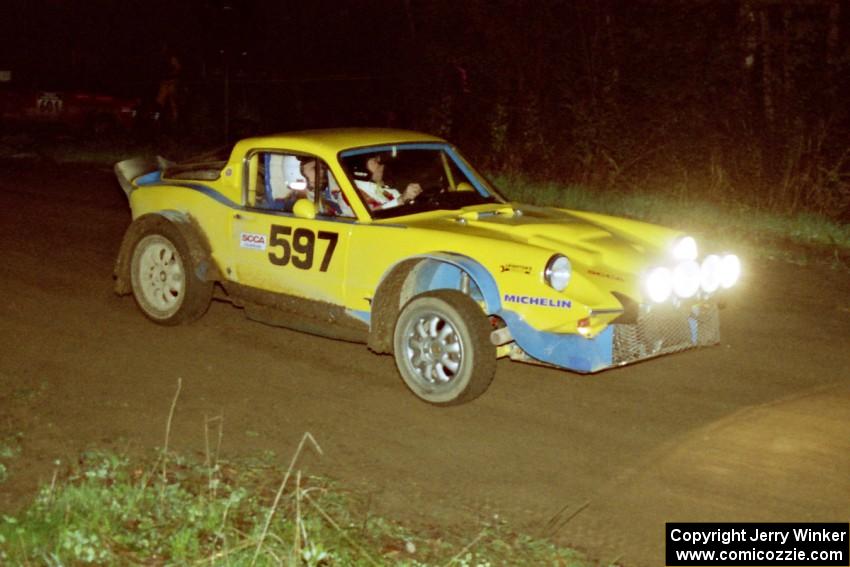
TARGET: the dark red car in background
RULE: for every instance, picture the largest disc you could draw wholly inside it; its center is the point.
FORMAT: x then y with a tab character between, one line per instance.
76	110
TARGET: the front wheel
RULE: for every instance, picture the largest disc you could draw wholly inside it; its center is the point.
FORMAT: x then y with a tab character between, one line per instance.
442	348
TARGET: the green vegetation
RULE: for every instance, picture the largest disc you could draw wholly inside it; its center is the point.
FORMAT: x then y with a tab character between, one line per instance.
116	510
168	509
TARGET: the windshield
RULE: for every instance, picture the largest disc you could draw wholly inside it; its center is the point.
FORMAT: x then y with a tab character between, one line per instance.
402	179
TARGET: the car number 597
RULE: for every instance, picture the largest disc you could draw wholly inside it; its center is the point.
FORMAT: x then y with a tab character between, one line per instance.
300	249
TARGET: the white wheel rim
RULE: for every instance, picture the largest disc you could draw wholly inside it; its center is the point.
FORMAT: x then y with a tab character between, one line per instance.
433	349
160	275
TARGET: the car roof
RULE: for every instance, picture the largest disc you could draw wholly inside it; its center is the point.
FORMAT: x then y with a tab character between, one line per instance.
334	140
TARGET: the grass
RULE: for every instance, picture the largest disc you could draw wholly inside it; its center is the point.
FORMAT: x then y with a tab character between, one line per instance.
165	508
116	510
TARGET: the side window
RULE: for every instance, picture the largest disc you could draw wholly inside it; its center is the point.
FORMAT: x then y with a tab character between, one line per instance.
281	180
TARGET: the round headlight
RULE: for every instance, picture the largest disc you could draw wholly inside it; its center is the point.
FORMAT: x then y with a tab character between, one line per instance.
730	270
558	272
685	248
710	273
686	279
659	284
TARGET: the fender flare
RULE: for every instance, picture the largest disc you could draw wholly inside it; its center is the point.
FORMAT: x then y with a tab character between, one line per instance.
396	288
199	247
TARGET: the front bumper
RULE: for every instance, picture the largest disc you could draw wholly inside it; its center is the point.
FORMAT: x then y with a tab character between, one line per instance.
665	331
656	331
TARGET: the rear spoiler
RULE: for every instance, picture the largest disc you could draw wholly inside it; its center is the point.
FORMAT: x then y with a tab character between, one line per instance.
131	169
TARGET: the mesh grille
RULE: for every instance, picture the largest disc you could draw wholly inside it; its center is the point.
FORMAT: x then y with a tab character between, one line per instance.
665	330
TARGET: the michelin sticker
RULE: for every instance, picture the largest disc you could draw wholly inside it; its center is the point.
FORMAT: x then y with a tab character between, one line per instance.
541	301
253	241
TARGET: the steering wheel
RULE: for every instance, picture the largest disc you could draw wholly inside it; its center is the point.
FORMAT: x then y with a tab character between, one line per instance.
430	195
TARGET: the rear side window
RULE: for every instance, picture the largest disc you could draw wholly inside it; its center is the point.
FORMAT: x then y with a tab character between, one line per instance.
281	179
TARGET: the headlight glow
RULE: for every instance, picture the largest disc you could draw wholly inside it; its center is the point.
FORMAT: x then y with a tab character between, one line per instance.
710	273
730	270
685	248
558	272
659	284
686	279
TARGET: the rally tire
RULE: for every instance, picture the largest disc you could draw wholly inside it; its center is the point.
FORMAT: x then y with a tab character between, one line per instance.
163	277
442	348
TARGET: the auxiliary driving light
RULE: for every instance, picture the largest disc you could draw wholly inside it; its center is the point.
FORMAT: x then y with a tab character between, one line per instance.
710	273
730	270
685	248
686	279
659	284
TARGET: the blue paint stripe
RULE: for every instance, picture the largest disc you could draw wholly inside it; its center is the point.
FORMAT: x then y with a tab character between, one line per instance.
483	279
479	274
206	190
149	178
364	316
569	351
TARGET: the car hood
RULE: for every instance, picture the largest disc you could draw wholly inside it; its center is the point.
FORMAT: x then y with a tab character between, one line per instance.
615	244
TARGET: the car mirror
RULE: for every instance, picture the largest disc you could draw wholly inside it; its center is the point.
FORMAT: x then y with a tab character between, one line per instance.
304	209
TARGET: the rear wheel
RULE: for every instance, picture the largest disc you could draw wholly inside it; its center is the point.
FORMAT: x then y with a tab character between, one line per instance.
163	278
442	348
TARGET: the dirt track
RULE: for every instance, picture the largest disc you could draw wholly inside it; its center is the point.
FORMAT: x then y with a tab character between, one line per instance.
757	429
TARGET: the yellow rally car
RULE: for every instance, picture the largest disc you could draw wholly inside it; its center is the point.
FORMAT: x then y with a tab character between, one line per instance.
391	238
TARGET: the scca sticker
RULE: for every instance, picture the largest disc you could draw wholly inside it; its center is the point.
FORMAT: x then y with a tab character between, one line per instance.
253	241
541	301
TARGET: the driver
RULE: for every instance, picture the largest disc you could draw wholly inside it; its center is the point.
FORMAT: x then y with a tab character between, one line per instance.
377	194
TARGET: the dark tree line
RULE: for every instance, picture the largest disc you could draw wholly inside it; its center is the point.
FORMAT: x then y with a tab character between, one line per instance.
739	100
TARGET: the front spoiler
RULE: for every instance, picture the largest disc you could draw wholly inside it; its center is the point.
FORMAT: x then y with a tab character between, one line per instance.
657	331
